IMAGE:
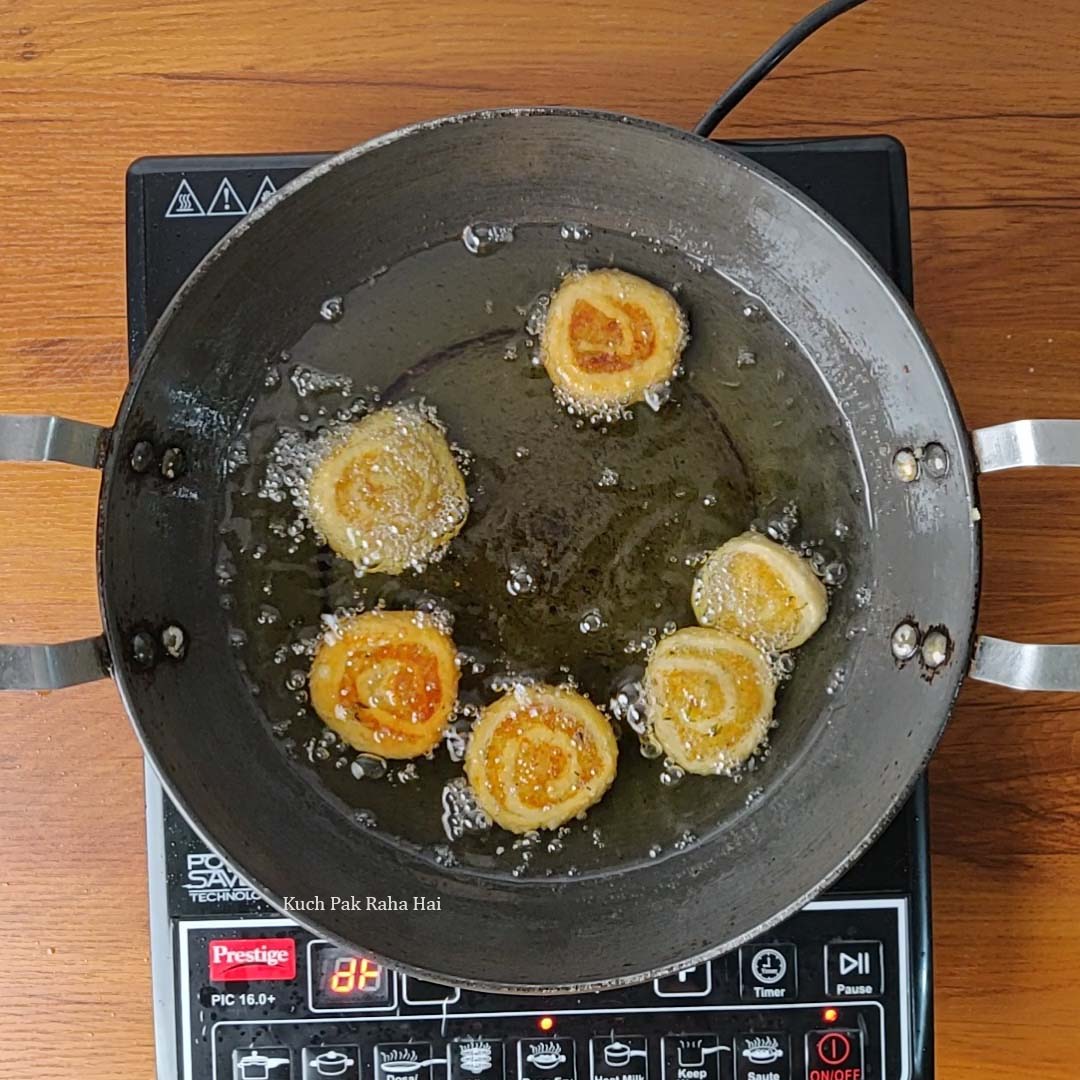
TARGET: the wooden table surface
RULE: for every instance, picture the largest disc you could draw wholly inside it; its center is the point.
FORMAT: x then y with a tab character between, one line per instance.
986	96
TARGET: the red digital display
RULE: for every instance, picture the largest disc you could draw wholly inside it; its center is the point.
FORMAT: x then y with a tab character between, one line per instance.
355	975
341	979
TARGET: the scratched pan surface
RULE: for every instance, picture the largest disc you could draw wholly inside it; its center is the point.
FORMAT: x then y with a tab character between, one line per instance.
658	875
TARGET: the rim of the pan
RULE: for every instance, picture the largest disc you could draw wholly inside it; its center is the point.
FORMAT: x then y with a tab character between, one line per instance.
473	116
298	183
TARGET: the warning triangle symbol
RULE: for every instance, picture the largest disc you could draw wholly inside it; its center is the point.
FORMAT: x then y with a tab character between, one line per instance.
185	203
226	203
265	190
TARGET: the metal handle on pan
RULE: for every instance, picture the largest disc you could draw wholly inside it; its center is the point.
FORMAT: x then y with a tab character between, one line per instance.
67	663
1020	445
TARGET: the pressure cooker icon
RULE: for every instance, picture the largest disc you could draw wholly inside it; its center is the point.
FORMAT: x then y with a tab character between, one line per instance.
257	1065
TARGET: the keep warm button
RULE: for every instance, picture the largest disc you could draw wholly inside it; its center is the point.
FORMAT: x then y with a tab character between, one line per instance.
835	1054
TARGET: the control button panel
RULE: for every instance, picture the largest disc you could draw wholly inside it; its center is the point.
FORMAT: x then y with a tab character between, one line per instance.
262	1063
693	981
834	1054
696	1057
421	992
342	1062
787	1008
854	969
546	1059
763	1057
619	1057
476	1057
408	1061
768	972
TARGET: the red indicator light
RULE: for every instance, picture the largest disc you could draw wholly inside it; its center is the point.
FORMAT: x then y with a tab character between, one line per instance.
546	1023
830	1016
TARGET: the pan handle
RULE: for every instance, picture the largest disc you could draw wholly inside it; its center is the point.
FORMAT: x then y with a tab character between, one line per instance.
66	663
1025	444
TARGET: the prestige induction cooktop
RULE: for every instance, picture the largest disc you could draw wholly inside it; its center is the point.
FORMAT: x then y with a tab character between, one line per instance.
840	991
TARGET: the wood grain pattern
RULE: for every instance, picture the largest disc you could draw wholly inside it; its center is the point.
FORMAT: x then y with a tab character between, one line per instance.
986	96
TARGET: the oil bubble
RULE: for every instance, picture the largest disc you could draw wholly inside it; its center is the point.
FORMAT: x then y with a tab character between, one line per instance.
333	307
368	767
574	231
521	581
484	238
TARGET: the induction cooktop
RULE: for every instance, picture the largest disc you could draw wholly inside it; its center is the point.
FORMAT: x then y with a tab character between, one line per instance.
840	991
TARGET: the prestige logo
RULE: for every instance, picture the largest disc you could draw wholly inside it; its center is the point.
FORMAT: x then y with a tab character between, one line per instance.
252	959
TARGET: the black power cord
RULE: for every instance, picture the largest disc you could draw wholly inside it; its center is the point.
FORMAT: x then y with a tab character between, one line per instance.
768	60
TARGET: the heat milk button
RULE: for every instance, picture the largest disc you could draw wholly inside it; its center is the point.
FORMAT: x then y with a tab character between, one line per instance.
618	1057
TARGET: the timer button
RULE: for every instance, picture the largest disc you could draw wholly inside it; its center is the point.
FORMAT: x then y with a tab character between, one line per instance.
834	1054
768	972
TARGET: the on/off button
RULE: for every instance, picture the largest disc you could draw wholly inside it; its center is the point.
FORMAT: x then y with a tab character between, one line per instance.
834	1054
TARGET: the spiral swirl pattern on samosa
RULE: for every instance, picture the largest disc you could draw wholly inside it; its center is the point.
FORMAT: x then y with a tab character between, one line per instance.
709	698
386	682
390	494
608	337
540	756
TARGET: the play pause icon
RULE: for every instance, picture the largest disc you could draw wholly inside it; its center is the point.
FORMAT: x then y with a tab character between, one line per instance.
854	968
859	963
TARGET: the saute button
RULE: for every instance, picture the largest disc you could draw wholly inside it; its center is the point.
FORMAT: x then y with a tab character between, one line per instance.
762	1057
475	1057
546	1059
693	981
768	972
342	1062
262	1063
696	1057
406	1061
422	992
854	969
834	1054
618	1057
